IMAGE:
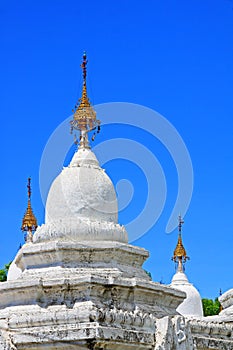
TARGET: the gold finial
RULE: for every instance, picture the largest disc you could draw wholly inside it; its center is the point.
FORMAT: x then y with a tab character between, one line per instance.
179	255
29	222
84	118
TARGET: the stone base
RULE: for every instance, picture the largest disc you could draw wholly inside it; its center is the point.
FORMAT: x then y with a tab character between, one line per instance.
84	326
90	295
211	333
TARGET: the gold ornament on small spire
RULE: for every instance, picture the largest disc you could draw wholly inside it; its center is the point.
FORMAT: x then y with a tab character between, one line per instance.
84	117
29	222
179	255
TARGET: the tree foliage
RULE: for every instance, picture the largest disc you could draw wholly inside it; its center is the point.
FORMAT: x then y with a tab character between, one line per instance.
3	272
148	274
211	307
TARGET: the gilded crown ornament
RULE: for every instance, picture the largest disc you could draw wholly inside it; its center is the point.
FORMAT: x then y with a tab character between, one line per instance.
29	222
84	117
179	255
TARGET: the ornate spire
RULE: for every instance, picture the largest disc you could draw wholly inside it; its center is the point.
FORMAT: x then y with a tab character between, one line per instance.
29	222
84	117
179	255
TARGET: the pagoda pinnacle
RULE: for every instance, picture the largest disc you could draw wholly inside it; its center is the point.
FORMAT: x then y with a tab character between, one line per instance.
29	222
179	255
84	117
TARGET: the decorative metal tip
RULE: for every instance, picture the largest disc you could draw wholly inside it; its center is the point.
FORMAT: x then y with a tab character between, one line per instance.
84	67
29	188
180	255
84	117
181	222
29	222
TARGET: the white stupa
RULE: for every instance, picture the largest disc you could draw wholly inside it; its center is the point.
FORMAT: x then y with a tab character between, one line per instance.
192	305
29	225
76	283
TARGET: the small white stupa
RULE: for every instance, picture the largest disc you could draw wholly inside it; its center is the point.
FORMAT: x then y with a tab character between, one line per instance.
192	305
29	226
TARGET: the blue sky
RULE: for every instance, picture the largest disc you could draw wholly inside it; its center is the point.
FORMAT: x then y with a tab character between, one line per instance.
175	57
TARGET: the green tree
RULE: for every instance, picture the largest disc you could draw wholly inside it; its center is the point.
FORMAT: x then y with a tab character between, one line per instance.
3	272
148	274
211	307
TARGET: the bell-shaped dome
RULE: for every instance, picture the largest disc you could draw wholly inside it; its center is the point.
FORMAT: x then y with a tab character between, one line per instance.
82	203
192	304
82	189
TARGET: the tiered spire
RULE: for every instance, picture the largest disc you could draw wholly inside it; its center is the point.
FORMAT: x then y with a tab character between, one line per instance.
84	117
179	255
29	222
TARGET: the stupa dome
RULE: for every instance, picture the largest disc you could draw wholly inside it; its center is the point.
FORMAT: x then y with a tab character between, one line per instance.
192	304
82	203
82	189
